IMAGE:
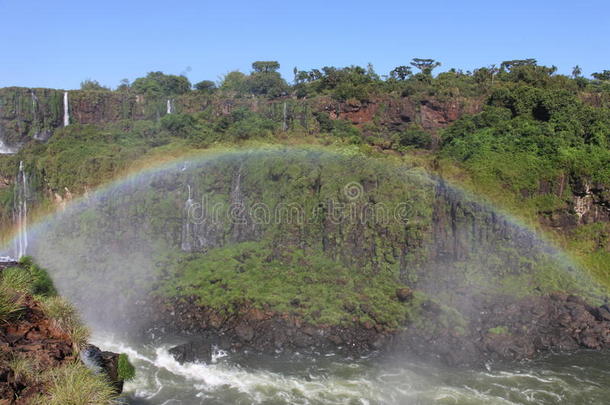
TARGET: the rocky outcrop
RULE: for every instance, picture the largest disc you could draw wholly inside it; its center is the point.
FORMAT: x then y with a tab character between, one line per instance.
586	202
394	113
510	329
255	329
103	362
35	337
34	114
500	330
32	344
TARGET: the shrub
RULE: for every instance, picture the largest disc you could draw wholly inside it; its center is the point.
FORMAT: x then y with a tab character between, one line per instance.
40	281
126	370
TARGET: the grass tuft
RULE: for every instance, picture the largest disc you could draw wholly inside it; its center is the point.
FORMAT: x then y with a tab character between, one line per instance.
66	318
75	384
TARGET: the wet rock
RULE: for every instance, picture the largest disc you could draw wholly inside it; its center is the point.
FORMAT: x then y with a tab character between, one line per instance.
404	294
103	362
244	332
192	351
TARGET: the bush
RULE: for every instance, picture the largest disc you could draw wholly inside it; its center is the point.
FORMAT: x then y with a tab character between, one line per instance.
126	370
40	281
181	125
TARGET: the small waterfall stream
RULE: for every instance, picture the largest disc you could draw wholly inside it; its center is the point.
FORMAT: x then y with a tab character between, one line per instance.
21	212
284	123
169	106
186	245
66	110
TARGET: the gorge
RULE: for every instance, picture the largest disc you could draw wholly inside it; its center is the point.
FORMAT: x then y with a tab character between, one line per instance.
411	245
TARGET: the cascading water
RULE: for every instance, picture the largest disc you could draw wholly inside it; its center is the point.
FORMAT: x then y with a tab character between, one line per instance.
5	149
186	245
66	110
169	106
284	115
21	212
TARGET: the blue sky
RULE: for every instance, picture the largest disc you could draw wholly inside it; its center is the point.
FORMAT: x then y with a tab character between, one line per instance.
60	43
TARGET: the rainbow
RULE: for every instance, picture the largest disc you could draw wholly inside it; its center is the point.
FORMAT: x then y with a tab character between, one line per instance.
174	159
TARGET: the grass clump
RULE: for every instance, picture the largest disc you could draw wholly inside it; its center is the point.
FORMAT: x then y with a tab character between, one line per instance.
24	367
66	318
11	294
40	281
126	370
75	384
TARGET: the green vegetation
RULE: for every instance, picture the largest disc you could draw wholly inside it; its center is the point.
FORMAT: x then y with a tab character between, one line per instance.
75	384
300	282
126	370
528	140
66	318
499	330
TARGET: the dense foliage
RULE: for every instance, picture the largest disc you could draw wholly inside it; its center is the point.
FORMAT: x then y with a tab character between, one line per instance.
531	140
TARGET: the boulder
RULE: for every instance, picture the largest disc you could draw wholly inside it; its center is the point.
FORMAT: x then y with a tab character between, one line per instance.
103	362
192	351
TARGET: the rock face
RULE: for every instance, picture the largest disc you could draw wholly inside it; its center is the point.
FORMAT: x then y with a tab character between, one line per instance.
505	329
509	329
34	114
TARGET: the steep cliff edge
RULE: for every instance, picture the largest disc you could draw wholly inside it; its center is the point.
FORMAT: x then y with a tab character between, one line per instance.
40	339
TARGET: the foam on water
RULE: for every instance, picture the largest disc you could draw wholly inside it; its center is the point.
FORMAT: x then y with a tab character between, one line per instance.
162	380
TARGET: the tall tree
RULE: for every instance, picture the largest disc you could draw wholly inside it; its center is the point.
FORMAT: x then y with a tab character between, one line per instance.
401	72
265	66
425	65
576	71
605	75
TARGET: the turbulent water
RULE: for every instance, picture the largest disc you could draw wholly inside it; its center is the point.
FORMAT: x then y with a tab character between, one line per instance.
581	378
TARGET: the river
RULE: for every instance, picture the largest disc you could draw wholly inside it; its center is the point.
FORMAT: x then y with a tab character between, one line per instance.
580	378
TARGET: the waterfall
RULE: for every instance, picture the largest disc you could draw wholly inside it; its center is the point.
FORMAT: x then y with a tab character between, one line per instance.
186	226
284	124
66	112
21	212
5	149
169	106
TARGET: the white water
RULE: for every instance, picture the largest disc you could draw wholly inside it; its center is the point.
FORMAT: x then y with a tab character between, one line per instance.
186	227
5	149
21	212
66	110
169	106
231	379
285	114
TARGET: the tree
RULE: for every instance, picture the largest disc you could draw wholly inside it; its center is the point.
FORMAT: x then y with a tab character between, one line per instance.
123	85
604	76
160	84
89	84
508	65
265	66
401	72
233	81
425	65
205	86
576	71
